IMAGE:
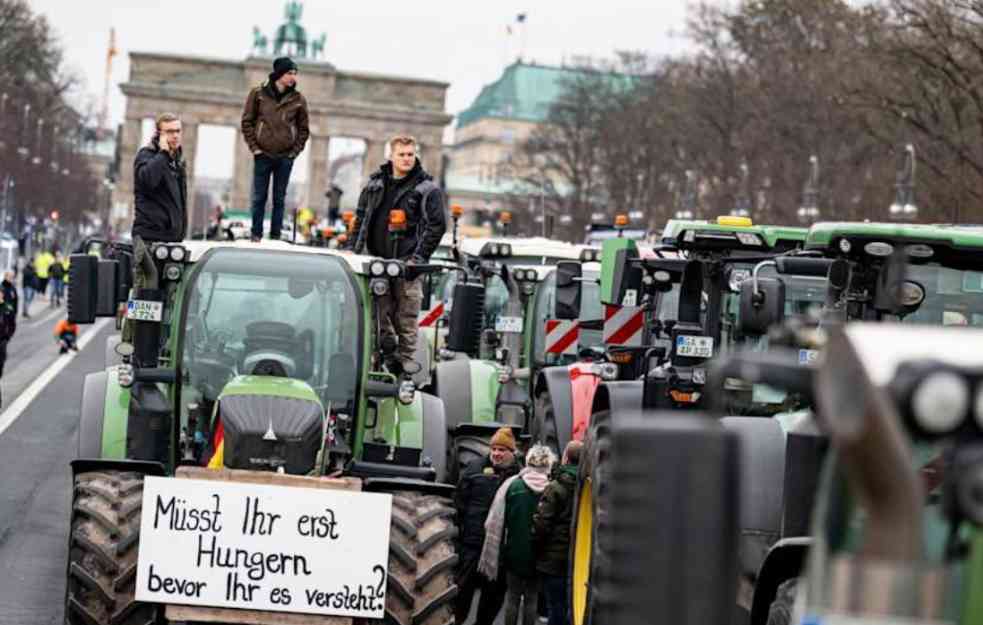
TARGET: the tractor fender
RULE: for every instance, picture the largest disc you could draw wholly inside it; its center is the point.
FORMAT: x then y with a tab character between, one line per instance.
424	356
785	560
93	412
556	382
104	416
618	397
484	391
762	455
434	434
583	386
87	465
452	382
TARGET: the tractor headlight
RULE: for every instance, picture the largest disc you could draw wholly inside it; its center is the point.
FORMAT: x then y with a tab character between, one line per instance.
606	371
124	373
446	354
845	246
161	252
939	403
377	268
172	272
493	249
504	374
393	270
177	254
407	390
699	375
379	286
505	249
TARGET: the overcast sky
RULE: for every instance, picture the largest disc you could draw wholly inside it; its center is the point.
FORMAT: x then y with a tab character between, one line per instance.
463	43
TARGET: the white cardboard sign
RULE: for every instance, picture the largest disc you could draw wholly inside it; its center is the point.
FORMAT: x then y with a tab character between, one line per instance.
263	547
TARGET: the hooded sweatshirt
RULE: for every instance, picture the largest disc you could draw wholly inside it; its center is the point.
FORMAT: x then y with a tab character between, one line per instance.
510	519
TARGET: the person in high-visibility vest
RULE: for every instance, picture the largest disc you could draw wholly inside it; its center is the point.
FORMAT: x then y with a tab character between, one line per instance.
42	265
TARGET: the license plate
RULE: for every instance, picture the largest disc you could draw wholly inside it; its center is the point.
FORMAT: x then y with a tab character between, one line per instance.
508	324
694	346
808	356
143	310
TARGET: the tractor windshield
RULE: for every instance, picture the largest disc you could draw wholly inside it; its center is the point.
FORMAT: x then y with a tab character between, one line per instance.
281	314
952	296
590	310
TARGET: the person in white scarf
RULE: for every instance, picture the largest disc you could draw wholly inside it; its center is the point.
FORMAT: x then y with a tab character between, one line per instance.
509	523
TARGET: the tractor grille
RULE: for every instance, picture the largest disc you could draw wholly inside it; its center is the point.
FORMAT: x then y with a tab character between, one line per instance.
264	433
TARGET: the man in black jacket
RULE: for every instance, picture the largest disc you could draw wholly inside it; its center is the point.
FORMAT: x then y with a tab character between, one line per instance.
8	315
160	198
475	492
401	184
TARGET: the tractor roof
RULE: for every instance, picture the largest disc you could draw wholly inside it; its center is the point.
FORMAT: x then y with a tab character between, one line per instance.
531	247
356	262
761	236
823	235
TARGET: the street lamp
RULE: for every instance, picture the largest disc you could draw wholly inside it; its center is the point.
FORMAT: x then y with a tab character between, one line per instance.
809	210
904	206
37	152
742	207
25	133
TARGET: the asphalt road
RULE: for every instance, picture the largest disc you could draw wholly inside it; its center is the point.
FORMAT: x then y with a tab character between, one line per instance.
35	482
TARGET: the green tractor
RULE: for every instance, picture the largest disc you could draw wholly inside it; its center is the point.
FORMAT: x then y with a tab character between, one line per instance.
693	297
915	275
483	373
255	360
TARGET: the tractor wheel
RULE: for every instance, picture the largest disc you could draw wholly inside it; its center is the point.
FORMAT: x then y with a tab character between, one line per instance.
780	610
544	423
588	553
421	588
102	561
464	451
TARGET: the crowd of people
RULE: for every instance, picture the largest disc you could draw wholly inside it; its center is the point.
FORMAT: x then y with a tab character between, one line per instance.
514	517
46	269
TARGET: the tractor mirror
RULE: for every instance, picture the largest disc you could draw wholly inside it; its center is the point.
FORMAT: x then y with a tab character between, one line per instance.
568	290
108	289
466	319
626	279
762	305
83	280
891	286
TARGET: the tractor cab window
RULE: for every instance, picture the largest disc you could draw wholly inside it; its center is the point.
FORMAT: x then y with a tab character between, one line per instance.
590	310
286	315
952	296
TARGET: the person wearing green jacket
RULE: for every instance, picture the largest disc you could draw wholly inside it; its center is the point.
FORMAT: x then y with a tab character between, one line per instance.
508	536
551	533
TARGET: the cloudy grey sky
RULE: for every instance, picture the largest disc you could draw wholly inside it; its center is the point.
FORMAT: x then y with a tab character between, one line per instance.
461	42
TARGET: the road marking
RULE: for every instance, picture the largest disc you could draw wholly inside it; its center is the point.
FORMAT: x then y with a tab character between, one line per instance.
14	410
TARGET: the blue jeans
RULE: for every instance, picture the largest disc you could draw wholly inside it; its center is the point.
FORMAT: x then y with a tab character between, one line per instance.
265	167
57	289
28	298
555	589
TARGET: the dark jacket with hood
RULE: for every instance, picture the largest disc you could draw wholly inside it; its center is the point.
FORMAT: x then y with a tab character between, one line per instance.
9	310
275	123
551	523
160	196
475	492
422	200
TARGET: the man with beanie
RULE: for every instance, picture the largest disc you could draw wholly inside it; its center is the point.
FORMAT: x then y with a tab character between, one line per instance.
476	489
551	533
401	184
275	127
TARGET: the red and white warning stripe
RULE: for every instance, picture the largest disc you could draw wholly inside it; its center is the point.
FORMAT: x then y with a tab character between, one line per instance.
562	336
623	325
429	318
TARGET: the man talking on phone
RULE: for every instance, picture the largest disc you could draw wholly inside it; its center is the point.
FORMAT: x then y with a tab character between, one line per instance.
160	200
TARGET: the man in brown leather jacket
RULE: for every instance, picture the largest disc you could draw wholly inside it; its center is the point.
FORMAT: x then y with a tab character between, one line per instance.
274	125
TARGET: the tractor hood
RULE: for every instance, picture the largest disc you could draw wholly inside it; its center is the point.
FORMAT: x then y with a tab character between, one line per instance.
270	422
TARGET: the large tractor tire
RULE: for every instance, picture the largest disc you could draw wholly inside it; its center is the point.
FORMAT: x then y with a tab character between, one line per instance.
421	587
544	423
102	561
780	611
588	553
464	451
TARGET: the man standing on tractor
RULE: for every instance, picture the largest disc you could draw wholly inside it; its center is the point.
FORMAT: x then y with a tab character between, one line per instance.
551	533
275	127
401	196
160	201
475	493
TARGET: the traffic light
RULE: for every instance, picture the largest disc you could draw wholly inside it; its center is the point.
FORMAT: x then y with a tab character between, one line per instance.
54	215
